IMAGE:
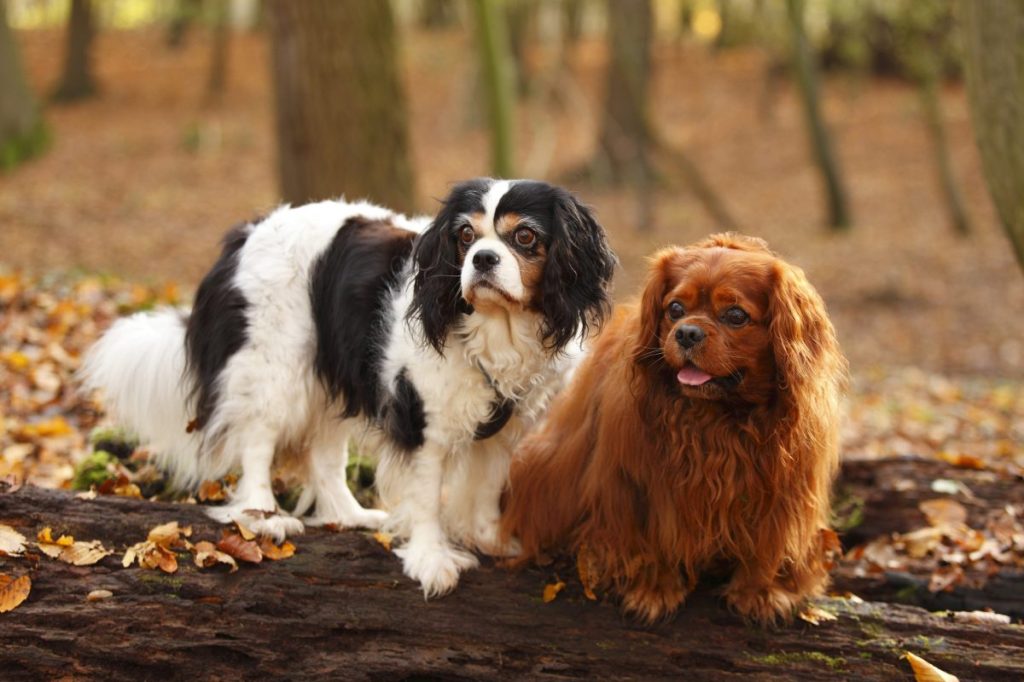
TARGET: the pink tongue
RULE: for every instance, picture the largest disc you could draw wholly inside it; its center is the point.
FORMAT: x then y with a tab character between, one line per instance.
691	376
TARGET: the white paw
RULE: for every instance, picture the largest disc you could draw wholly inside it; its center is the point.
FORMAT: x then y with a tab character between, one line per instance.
275	525
488	541
436	566
365	518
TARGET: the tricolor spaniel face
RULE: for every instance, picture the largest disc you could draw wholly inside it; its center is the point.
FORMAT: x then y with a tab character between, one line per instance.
707	316
513	247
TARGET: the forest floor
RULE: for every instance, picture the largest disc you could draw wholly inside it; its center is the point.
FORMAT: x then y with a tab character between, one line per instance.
126	209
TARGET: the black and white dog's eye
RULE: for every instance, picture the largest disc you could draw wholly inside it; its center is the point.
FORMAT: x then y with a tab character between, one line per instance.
735	316
467	235
675	310
525	237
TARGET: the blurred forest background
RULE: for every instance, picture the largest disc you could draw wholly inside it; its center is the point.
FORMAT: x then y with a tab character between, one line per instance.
879	144
137	131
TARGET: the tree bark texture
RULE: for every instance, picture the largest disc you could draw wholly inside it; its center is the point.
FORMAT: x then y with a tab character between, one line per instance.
821	144
498	75
77	80
22	132
341	109
625	138
341	609
993	40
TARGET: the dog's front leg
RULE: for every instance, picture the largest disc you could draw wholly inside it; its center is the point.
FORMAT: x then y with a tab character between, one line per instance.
428	556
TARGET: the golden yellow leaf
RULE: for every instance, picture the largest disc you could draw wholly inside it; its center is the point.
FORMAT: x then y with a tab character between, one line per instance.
244	531
13	591
926	672
45	536
273	552
384	539
551	591
128	490
816	616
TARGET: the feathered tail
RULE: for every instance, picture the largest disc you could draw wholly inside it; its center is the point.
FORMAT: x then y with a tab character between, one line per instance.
139	364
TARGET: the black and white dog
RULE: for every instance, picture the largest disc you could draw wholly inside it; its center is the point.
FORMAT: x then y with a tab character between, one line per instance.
434	344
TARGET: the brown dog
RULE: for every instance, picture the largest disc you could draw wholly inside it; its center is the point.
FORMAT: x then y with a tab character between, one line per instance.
701	431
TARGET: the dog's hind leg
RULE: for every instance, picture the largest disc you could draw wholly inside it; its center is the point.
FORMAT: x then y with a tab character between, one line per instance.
252	503
335	503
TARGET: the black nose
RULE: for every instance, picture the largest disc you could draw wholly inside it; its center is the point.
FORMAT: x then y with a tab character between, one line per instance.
484	260
689	335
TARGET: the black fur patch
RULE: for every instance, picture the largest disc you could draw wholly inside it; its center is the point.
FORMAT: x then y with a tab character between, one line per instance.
402	416
217	326
573	295
501	412
437	301
348	289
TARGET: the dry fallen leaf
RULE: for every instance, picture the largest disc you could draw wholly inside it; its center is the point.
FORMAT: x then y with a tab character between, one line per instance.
275	553
384	539
981	617
244	531
207	555
13	591
165	534
238	547
926	672
816	616
84	553
99	595
12	543
551	591
45	536
943	512
212	491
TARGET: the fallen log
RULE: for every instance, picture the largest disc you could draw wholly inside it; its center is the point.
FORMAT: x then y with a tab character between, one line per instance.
888	494
341	609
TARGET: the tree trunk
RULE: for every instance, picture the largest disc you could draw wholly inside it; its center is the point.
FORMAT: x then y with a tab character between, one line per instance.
341	111
77	81
341	609
498	81
625	138
807	78
932	107
993	39
22	132
185	13
216	83
437	14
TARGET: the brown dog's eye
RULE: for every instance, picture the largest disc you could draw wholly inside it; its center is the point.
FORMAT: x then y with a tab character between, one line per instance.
737	317
676	310
467	235
525	237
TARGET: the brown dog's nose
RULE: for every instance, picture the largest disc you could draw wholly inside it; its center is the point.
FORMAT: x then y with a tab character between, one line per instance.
689	335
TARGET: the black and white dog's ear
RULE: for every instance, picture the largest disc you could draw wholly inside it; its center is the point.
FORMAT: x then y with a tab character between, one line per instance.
437	292
577	274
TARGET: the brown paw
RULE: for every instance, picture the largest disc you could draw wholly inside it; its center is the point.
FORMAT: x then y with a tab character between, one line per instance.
766	605
651	605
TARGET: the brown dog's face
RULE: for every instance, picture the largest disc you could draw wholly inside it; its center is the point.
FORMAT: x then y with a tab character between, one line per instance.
707	319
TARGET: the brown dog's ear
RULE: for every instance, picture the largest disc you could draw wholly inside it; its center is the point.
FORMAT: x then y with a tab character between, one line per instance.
647	342
804	341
